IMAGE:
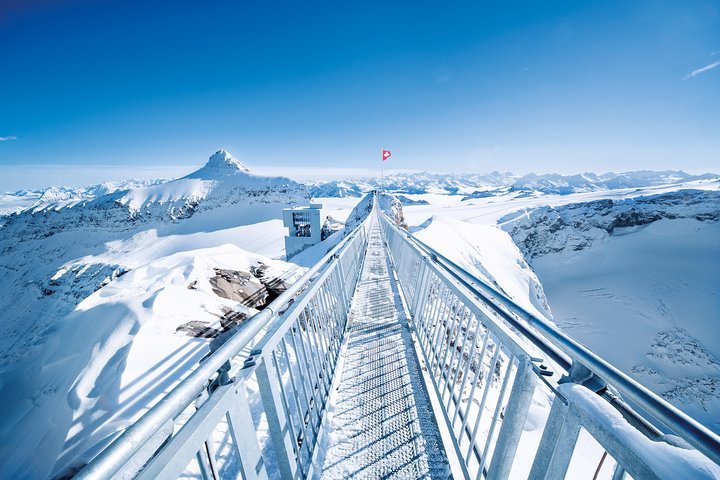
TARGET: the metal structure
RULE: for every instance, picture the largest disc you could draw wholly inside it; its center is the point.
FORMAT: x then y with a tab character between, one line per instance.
473	336
383	424
255	408
287	371
304	226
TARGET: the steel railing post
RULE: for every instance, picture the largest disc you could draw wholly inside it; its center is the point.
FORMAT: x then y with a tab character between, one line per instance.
486	390
514	420
564	446
242	429
618	473
551	432
421	291
278	422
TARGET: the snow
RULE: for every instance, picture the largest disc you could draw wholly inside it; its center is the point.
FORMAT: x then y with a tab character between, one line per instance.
16	202
61	197
93	290
495	183
647	301
221	177
488	211
192	190
578	226
142	357
114	356
338	208
665	460
490	254
220	164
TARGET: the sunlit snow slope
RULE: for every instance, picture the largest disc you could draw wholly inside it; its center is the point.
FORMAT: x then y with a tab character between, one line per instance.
637	281
632	273
106	302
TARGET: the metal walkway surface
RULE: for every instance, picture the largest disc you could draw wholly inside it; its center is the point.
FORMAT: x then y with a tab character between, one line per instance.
381	423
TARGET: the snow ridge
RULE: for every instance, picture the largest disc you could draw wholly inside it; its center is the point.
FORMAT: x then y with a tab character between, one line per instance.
635	280
475	185
220	164
577	226
93	283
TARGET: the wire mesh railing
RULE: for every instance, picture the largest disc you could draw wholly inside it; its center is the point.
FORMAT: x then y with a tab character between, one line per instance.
254	408
488	360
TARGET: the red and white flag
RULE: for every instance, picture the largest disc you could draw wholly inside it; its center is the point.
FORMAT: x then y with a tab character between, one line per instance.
385	154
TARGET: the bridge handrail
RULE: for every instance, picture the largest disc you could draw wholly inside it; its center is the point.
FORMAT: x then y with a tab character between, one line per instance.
122	451
566	351
690	429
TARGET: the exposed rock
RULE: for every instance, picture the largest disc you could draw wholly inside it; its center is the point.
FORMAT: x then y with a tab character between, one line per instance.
198	329
481	194
330	226
251	289
274	286
228	320
232	318
409	201
239	286
392	207
388	204
577	226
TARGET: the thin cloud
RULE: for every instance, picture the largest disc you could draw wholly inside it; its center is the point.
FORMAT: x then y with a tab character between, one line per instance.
7	139
704	69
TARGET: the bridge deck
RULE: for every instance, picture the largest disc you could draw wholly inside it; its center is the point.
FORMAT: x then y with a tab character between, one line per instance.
381	424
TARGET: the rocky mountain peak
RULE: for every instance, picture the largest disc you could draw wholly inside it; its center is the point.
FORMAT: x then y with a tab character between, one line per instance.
222	161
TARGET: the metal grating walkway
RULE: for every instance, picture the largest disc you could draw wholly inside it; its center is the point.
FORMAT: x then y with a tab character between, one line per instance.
381	424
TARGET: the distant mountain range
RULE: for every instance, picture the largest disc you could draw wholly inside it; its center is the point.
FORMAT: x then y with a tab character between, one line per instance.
223	180
472	185
15	202
223	166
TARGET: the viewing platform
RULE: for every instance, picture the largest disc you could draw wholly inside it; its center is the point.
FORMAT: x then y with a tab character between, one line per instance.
388	360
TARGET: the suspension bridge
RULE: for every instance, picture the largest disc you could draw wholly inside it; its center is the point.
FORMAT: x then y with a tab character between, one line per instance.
387	360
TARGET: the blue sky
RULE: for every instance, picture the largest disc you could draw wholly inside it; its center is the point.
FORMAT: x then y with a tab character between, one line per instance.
101	90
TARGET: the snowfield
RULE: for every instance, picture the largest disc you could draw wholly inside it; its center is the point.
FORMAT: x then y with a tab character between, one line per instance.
648	299
631	273
94	291
120	350
490	254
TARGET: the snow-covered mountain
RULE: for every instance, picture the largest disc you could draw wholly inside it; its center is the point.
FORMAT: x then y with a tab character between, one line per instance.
577	226
97	292
412	183
108	296
636	279
339	189
59	196
590	182
472	185
223	175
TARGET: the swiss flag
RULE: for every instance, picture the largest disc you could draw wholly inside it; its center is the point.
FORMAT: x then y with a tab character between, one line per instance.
386	154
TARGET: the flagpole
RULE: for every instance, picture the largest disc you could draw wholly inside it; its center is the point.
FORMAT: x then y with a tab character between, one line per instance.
382	171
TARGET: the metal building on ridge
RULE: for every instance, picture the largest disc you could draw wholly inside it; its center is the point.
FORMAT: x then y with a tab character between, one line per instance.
304	226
